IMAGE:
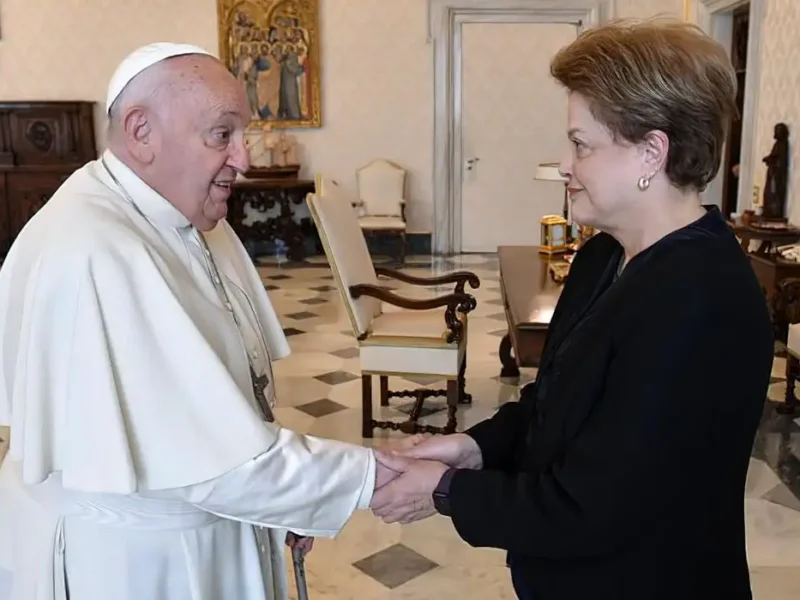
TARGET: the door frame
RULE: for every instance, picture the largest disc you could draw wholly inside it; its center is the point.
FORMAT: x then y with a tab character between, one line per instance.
445	20
706	15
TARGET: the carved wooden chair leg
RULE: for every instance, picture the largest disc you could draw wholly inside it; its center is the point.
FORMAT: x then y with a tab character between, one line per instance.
790	407
384	390
463	396
366	406
403	248
412	426
453	394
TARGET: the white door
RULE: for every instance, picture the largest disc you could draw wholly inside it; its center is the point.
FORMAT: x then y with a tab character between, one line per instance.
514	117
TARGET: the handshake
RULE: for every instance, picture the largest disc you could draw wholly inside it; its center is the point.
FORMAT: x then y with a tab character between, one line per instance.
408	472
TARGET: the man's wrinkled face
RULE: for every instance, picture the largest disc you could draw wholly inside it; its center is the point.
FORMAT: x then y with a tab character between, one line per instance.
201	143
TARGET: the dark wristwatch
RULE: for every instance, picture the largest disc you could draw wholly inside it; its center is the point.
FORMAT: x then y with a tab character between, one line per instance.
441	495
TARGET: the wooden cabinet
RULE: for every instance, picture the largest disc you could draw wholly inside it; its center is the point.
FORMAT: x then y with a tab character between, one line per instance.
41	145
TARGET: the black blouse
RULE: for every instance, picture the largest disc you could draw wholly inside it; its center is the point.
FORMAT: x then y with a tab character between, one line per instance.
620	473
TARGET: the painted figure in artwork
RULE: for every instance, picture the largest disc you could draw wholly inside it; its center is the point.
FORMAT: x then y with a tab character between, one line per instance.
269	82
272	60
291	69
777	162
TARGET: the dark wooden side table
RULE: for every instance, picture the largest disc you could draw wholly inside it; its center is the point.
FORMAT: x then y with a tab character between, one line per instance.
529	298
263	195
771	270
770	238
788	307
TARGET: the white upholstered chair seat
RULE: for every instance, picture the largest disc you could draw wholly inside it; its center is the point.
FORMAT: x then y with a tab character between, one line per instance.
379	223
390	356
412	342
423	324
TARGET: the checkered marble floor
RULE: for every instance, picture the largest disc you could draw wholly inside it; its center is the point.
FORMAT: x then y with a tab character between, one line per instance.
319	393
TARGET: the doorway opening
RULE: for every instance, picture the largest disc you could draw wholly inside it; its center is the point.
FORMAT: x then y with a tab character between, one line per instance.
740	22
512	117
736	25
446	20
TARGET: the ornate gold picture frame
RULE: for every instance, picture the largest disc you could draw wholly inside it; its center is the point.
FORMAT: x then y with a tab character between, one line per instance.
272	47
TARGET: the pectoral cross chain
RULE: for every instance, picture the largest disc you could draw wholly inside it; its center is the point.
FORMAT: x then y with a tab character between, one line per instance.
259	383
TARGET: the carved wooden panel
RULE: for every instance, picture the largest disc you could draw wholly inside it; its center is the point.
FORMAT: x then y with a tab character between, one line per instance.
44	134
6	153
5	240
264	195
41	145
30	192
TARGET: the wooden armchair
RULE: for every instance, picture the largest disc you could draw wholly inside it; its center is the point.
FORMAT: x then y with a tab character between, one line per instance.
786	318
427	337
381	203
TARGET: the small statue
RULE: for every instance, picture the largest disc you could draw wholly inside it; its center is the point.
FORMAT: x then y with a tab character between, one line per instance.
258	146
286	149
270	144
775	187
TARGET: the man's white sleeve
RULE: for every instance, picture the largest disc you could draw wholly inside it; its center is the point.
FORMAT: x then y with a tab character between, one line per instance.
305	484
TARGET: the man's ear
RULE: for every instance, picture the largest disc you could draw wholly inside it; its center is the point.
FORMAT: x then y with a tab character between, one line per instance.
139	133
655	148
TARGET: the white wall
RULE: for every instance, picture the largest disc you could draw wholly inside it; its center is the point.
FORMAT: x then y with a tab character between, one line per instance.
377	72
779	92
68	49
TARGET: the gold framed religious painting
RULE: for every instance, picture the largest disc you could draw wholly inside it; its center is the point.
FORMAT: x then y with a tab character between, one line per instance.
272	48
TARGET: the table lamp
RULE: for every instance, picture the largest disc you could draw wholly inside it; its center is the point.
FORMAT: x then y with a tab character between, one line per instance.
550	172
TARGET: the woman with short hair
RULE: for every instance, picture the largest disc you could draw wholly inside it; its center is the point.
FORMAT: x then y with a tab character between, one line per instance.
620	473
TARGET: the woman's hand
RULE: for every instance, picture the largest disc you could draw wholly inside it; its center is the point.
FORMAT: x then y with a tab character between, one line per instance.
457	450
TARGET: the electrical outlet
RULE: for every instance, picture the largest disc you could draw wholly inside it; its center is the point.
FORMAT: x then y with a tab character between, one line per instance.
756	196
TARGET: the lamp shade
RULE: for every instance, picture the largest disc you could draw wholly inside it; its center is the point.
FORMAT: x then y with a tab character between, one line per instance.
549	172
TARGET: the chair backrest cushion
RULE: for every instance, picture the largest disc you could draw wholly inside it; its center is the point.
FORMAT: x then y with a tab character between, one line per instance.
381	187
347	253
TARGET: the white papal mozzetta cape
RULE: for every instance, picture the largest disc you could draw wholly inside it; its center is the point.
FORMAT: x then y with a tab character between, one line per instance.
140	467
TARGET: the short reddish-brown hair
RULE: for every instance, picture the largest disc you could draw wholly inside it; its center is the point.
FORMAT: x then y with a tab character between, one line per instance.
664	75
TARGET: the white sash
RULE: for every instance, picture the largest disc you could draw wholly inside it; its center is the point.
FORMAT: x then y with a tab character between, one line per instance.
128	512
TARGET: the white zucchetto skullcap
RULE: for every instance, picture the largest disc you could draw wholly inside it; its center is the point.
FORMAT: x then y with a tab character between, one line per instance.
142	58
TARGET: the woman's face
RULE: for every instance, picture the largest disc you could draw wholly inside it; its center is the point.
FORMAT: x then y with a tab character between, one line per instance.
602	173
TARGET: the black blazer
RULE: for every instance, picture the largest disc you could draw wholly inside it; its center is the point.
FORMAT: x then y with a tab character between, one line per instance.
620	473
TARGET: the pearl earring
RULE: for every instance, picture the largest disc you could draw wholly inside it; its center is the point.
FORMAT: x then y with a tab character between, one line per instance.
643	183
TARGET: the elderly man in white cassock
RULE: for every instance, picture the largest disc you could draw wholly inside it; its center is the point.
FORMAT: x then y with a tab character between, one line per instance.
136	341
